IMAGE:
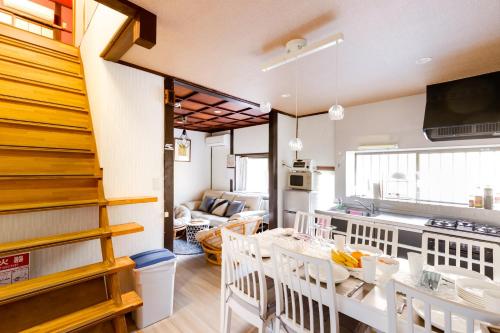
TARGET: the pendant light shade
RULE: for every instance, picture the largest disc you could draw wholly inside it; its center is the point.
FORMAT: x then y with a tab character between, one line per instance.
295	144
336	112
184	139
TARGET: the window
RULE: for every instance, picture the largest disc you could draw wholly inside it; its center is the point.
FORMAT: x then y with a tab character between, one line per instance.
252	174
447	176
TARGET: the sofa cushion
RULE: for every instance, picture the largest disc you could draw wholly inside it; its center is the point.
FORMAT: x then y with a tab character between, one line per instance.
206	204
219	207
182	216
228	196
212	193
252	202
234	207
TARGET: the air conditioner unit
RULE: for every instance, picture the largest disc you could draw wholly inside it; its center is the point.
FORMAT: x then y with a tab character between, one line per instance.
218	140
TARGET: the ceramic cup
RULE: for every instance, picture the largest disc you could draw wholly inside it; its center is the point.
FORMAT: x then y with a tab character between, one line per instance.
492	300
339	242
369	264
416	262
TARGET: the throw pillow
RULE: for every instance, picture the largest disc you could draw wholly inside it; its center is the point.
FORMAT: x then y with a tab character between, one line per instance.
206	204
234	207
219	207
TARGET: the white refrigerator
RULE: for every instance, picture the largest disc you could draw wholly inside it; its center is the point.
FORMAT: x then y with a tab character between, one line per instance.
295	201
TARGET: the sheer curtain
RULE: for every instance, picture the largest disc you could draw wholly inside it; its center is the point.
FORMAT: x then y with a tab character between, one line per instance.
241	173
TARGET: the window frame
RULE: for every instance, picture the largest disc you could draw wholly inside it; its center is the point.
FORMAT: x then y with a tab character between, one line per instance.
250	155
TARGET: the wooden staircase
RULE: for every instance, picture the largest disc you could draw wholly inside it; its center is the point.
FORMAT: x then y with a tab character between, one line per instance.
48	160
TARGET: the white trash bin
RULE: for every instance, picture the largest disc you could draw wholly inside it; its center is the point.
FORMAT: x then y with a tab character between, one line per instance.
154	282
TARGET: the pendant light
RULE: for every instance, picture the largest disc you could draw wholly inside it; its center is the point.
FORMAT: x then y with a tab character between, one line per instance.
184	137
296	144
336	112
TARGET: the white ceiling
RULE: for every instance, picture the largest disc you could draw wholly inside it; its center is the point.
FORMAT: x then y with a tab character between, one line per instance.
222	44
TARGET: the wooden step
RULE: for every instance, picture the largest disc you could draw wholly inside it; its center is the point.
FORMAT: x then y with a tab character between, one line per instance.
90	316
69	238
34	102
41	43
37	73
45	125
36	177
130	200
28	288
57	163
46	149
24	207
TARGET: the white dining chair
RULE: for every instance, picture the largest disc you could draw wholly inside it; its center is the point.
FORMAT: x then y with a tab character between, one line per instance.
305	223
479	256
246	289
451	314
381	236
305	293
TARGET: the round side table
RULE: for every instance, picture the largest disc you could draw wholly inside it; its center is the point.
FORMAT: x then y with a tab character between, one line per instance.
193	227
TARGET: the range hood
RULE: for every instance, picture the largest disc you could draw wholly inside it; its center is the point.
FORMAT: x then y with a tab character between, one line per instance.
463	109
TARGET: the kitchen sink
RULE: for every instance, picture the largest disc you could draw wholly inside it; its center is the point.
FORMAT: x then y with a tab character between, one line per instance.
355	211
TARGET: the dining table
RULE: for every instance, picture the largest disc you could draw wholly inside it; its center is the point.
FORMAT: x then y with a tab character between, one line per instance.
365	302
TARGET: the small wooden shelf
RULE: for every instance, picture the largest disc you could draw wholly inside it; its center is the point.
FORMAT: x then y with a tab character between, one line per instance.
91	315
46	283
130	200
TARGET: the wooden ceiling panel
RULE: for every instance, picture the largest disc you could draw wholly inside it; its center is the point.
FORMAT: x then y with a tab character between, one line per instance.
233	106
206	99
205	110
182	91
239	116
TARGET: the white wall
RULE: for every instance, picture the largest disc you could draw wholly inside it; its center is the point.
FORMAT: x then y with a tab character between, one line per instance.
253	139
191	179
318	136
286	132
127	110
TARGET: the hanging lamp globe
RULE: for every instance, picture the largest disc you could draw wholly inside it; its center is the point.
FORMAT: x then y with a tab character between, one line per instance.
295	144
336	112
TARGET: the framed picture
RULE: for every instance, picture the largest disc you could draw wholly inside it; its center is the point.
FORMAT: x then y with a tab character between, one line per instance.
182	152
231	161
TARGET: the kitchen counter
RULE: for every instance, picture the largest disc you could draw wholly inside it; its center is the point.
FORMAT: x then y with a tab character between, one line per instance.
399	220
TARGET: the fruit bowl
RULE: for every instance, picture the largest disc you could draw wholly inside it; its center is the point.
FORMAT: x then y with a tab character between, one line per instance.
387	266
349	260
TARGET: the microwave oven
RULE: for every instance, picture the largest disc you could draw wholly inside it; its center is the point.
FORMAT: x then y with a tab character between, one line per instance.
302	180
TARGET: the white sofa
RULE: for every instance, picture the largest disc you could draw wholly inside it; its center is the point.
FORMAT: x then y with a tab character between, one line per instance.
255	205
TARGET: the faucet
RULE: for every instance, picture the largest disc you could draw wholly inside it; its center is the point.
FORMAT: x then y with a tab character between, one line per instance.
370	209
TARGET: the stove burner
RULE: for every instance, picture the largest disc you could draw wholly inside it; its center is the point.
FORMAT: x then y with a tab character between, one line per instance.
464	226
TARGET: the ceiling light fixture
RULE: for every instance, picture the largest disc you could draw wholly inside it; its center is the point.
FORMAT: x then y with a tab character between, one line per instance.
218	111
295	144
265	107
177	105
336	112
185	141
423	60
285	95
298	48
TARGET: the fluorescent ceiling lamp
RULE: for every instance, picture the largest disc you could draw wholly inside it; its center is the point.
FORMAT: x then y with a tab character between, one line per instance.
305	51
379	147
31	8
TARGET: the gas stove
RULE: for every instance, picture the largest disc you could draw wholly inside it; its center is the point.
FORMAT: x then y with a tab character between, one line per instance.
467	226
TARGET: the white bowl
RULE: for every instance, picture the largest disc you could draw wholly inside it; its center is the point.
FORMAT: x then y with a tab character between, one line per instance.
387	266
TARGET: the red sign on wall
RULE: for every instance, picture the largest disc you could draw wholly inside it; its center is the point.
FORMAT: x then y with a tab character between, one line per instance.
14	268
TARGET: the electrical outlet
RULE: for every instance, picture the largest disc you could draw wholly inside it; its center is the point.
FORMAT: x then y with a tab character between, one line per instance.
167	214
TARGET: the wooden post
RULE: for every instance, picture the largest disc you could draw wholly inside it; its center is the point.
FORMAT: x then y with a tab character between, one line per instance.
168	160
273	169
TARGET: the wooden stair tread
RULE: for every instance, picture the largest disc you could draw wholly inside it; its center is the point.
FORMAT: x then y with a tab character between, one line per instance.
14	177
45	125
130	200
39	66
41	84
91	315
45	283
11	208
68	238
63	150
37	102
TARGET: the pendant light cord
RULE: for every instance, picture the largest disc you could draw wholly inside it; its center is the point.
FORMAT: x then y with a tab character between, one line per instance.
296	98
337	74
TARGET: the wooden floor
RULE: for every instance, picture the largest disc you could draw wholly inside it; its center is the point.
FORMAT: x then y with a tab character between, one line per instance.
197	300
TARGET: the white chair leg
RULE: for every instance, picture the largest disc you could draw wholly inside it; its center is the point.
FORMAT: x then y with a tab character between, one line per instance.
262	327
277	325
227	318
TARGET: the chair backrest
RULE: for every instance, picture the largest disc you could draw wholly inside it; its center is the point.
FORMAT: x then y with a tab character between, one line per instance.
381	236
243	269
452	312
305	222
479	256
305	291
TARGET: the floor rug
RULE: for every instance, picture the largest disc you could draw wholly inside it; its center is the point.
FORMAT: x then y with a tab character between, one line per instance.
182	247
